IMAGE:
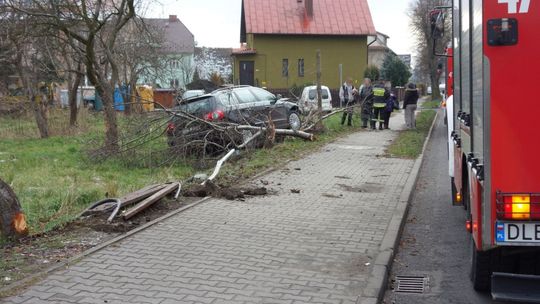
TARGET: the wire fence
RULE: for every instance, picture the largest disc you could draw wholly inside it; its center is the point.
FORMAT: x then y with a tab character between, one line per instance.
21	124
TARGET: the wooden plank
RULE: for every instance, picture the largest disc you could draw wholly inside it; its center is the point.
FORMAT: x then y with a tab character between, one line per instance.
126	200
150	200
139	195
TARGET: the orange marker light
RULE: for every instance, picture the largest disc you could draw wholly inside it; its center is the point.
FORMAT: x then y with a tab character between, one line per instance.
521	199
458	197
521	206
468	226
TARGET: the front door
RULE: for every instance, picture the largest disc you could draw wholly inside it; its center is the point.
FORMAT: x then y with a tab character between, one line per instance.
247	76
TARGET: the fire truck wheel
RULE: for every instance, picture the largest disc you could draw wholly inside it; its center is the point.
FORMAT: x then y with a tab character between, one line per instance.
480	268
454	192
465	198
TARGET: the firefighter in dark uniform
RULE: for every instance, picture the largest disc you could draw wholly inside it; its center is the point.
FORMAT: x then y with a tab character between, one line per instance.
380	96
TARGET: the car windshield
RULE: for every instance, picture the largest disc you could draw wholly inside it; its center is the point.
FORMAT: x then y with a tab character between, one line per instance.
200	106
313	93
244	95
262	94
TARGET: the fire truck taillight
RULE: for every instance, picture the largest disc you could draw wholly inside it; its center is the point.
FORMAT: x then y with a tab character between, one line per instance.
518	207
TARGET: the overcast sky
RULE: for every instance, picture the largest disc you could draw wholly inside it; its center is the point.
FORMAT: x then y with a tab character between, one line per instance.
216	23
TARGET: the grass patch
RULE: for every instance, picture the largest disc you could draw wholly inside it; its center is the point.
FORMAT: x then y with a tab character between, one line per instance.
431	104
409	143
55	180
436	98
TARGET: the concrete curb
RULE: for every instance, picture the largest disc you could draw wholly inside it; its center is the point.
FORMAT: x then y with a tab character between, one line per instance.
378	279
38	276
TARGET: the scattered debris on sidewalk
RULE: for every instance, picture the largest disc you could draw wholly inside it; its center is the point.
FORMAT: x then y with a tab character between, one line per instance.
230	193
145	197
367	187
150	200
332	195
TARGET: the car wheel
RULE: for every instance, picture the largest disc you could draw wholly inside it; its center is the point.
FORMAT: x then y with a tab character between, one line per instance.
294	121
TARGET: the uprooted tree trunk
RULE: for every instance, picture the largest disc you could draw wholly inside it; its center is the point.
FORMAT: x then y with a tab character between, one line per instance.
12	219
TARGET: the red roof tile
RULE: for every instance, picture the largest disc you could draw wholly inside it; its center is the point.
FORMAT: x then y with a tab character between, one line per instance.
330	17
244	51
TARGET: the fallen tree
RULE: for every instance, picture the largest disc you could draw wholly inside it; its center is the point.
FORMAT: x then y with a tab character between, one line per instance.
215	137
198	136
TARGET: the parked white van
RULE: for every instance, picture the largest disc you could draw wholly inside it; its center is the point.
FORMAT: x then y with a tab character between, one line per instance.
308	100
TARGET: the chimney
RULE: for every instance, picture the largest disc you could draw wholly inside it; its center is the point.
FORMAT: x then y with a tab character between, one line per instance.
309	8
173	18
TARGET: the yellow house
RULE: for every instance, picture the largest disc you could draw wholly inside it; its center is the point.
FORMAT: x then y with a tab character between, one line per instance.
280	39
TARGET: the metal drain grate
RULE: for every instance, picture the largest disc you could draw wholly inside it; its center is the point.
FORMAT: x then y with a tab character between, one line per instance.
411	284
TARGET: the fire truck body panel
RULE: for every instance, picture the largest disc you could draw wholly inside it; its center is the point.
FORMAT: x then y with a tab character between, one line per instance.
494	111
515	143
494	145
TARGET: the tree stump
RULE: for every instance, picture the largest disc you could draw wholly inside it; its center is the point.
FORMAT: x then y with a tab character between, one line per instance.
12	220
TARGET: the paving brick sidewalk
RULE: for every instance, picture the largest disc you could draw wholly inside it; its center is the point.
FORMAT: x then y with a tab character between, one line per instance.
313	247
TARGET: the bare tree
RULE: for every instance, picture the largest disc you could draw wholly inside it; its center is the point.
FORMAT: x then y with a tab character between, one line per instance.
427	62
95	26
7	56
34	65
137	54
70	63
187	66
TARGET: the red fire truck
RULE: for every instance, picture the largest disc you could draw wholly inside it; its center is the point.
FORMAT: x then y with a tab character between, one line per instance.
494	139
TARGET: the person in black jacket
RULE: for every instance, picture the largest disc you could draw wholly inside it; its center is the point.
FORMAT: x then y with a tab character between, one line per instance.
366	101
346	96
409	105
391	105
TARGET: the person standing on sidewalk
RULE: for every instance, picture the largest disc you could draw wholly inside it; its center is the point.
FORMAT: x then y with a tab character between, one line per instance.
409	105
347	99
380	94
391	105
366	101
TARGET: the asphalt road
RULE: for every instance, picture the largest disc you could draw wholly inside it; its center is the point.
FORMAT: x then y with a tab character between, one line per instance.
434	242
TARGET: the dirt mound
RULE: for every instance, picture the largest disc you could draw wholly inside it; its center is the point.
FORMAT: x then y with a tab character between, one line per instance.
230	193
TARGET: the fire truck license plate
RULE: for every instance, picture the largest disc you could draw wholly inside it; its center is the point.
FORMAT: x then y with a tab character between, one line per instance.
517	232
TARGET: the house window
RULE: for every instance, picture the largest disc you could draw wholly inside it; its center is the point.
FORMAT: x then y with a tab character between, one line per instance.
285	67
175	64
301	67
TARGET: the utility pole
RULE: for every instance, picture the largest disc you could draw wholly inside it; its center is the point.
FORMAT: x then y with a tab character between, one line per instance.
320	125
340	68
